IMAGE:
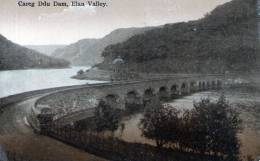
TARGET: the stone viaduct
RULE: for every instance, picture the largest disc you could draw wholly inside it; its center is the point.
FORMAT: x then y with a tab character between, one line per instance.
76	104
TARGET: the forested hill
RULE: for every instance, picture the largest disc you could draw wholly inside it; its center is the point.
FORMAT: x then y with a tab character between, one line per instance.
77	51
88	51
224	40
13	56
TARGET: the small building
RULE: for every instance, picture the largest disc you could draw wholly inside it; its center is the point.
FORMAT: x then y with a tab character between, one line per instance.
117	64
118	69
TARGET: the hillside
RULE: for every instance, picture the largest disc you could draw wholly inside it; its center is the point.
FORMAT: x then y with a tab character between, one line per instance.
88	51
72	51
13	56
45	49
224	40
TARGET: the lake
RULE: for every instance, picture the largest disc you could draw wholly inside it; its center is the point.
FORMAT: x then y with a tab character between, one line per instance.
19	81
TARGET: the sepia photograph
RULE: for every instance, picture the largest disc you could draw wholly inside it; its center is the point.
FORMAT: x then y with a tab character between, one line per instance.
129	80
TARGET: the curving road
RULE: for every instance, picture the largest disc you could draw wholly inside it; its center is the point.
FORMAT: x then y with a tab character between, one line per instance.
18	137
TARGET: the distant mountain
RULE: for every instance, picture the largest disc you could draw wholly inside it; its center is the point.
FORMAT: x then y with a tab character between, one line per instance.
14	56
45	49
88	51
75	50
224	40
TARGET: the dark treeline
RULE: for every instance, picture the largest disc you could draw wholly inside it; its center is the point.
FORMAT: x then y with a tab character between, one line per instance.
209	128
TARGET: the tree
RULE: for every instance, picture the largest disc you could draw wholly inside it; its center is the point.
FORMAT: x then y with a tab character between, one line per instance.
209	128
106	118
80	72
159	123
216	125
186	131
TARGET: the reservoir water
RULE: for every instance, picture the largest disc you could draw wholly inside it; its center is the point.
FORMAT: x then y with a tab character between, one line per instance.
19	81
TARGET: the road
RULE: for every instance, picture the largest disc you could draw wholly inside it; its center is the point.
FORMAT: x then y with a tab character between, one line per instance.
18	137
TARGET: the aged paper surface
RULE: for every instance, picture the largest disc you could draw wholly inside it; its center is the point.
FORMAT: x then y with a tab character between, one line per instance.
129	80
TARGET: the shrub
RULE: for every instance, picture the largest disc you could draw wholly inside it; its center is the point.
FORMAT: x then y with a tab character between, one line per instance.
209	128
215	125
159	123
106	118
80	72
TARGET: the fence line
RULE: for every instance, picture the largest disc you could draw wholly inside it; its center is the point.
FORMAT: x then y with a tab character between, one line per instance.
117	150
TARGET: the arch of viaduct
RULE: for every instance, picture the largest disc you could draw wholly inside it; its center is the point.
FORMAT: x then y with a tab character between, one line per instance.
141	92
118	94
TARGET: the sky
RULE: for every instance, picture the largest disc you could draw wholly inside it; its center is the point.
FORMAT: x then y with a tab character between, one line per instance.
65	25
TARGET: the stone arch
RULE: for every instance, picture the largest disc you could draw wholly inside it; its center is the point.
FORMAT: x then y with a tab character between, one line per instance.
174	91
203	85
184	88
148	95
163	93
200	86
213	84
133	101
193	86
208	85
132	96
219	84
113	100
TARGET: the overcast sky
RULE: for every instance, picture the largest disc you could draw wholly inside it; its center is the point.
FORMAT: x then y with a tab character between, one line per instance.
64	25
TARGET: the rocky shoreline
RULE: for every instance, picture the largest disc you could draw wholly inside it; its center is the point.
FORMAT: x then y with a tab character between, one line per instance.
94	74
